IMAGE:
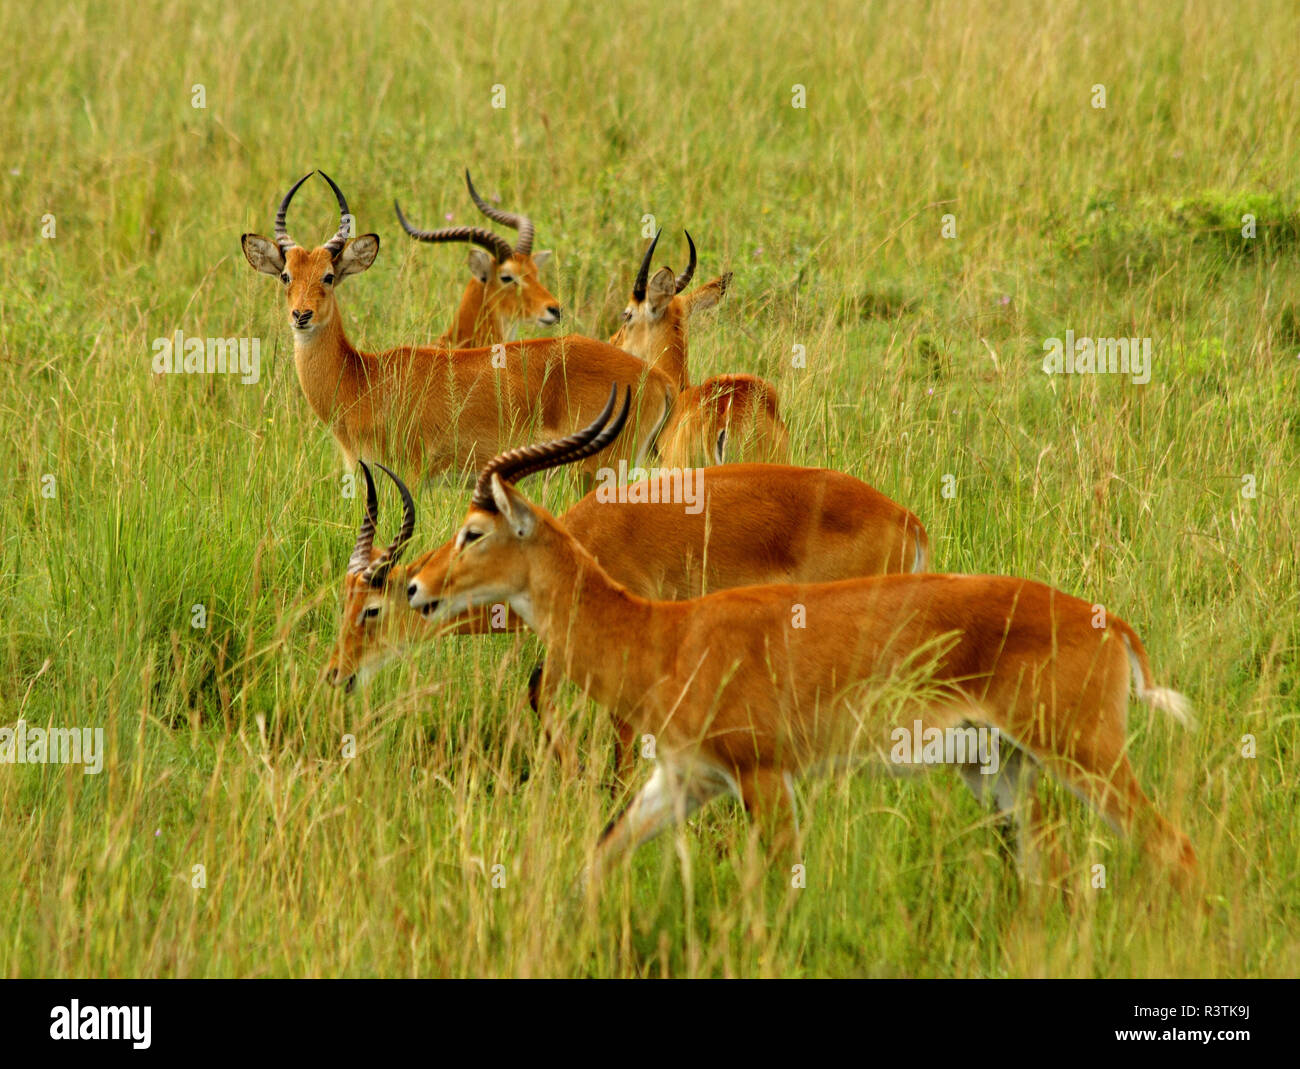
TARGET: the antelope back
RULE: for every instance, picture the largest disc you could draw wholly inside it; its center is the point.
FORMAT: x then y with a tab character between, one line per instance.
683	534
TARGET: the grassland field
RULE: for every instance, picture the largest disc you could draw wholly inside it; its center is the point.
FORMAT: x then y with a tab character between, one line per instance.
129	498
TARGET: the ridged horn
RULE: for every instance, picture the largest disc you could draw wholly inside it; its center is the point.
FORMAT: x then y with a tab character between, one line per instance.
524	246
340	238
389	556
360	559
684	279
515	464
643	274
282	237
476	235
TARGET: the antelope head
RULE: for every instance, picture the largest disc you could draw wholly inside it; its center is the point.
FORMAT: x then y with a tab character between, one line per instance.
310	275
504	539
376	618
655	319
512	286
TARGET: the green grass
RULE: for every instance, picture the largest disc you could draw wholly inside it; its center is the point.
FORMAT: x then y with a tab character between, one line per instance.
923	360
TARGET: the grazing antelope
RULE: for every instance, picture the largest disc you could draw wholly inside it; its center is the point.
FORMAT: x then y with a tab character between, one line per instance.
755	523
739	411
504	287
433	409
745	689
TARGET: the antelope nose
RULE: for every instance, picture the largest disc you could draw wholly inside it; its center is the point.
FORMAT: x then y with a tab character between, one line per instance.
554	312
302	318
411	591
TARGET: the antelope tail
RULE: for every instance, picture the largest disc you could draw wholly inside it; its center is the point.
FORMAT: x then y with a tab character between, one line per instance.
921	561
1162	698
644	453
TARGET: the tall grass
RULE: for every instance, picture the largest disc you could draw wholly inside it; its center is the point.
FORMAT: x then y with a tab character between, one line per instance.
924	360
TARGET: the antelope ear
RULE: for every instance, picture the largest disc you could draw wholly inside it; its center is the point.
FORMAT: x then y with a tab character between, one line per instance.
514	508
662	289
480	264
709	294
540	258
264	255
357	257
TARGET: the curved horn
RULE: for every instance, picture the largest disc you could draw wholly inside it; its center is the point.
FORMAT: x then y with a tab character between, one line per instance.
515	464
643	275
336	243
580	451
476	235
360	559
684	279
389	557
522	223
282	237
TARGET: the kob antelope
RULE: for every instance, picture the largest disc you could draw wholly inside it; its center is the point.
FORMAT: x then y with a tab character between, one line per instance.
433	409
504	286
724	416
741	699
751	523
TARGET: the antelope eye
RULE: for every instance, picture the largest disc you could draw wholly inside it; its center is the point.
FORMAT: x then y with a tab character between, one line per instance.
284	277
371	612
328	279
468	536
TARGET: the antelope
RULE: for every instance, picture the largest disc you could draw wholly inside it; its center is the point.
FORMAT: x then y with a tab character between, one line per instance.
740	698
431	409
756	523
723	407
504	287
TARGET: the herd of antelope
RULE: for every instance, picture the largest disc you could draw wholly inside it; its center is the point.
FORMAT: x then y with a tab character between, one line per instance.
753	639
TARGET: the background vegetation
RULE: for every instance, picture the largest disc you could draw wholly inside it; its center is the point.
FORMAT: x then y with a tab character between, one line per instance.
924	359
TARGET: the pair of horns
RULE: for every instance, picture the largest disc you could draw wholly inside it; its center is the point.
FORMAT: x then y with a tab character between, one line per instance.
340	238
477	235
511	466
360	563
643	276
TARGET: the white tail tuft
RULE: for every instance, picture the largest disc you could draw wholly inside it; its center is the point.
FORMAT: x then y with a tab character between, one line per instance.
1171	702
922	559
1161	698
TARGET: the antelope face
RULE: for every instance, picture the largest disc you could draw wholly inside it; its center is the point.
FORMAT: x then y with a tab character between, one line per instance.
486	563
489	560
513	288
508	273
310	275
376	623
